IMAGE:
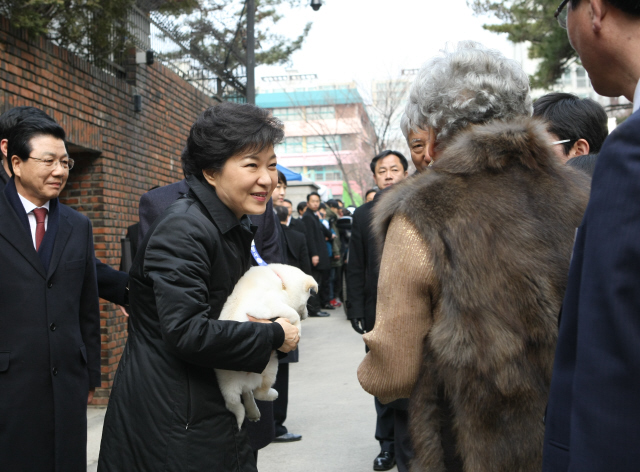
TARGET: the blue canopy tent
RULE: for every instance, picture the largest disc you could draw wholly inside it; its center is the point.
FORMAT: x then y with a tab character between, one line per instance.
289	174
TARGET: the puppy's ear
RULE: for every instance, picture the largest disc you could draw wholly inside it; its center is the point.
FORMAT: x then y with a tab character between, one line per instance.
311	285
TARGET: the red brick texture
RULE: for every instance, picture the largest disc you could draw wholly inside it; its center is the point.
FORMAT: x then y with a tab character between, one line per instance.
120	154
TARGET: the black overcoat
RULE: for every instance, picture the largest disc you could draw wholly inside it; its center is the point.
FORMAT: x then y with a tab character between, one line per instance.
166	412
363	268
49	339
316	242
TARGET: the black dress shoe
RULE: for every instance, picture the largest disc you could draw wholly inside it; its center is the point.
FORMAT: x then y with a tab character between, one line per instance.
328	307
384	461
288	437
320	314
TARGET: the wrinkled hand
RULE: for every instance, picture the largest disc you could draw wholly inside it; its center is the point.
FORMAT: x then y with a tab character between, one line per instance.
291	336
123	310
291	333
358	325
315	260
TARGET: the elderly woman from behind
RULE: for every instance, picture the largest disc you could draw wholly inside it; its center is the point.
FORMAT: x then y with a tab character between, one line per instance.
166	411
474	268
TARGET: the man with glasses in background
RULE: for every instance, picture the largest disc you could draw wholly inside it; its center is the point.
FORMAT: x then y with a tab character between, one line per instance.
593	415
578	126
49	311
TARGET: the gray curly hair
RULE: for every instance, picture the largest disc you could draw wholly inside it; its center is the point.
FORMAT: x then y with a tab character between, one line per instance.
471	84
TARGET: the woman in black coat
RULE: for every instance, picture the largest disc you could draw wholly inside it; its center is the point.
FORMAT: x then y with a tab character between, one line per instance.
166	412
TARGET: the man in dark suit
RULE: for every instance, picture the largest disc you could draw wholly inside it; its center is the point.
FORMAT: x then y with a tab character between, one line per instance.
49	311
593	412
297	255
389	168
317	236
112	284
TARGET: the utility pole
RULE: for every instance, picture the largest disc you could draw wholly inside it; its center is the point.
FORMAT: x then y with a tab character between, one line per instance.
251	47
251	52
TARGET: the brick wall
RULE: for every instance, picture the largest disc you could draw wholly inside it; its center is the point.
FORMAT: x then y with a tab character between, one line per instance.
119	153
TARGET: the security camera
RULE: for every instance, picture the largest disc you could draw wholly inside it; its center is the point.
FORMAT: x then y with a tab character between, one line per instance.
316	4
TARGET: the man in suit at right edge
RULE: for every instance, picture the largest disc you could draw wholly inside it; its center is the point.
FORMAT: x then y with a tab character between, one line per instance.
593	416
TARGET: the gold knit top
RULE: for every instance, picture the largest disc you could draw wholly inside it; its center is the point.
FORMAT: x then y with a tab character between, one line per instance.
403	314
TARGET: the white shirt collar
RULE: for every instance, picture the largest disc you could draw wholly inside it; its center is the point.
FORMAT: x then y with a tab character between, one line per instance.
29	207
636	98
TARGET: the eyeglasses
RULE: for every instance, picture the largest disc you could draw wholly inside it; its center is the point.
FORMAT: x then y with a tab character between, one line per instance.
561	14
561	142
66	164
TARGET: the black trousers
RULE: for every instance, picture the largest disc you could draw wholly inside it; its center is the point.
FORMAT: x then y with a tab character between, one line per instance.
281	403
402	443
322	277
392	431
337	282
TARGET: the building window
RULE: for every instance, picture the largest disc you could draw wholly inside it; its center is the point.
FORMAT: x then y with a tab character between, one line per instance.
319	173
321	113
324	143
288	114
291	145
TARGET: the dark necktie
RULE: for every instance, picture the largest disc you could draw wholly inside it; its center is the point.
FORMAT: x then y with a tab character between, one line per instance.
40	214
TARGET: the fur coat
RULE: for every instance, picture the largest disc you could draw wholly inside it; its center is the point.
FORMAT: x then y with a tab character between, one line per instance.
498	214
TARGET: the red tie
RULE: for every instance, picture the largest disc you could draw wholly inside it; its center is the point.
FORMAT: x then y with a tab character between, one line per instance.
40	213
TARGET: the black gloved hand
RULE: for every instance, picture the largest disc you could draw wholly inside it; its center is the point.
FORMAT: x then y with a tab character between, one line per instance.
358	325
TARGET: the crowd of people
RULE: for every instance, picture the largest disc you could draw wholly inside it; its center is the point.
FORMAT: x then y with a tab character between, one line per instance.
496	288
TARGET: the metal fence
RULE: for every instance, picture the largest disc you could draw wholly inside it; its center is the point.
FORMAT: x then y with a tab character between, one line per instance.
171	46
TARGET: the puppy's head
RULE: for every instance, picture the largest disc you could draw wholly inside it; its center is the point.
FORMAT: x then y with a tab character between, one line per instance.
297	285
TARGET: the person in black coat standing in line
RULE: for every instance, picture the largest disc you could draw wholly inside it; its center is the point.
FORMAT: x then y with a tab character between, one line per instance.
317	237
49	311
296	255
166	411
389	168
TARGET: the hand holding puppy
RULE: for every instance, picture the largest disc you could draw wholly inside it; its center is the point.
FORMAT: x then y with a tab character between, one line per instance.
291	333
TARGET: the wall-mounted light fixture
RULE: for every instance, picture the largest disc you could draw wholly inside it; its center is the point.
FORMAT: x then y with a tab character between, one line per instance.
144	57
137	103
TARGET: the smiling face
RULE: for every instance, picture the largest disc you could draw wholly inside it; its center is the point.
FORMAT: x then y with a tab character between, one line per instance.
34	180
389	171
246	181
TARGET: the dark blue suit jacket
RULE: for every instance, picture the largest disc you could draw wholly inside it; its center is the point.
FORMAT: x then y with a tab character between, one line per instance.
49	338
593	417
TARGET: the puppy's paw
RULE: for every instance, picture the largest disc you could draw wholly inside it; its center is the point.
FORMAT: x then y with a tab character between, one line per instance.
254	416
272	394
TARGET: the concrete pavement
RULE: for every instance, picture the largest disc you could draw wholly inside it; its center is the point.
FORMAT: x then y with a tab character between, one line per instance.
326	405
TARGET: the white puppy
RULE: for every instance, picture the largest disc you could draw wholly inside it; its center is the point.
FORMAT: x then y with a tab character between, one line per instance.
264	292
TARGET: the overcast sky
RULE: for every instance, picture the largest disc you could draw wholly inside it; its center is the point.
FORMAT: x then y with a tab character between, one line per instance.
363	40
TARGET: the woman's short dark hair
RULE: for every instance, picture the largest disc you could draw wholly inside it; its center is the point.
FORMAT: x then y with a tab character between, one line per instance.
371	190
225	130
281	178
